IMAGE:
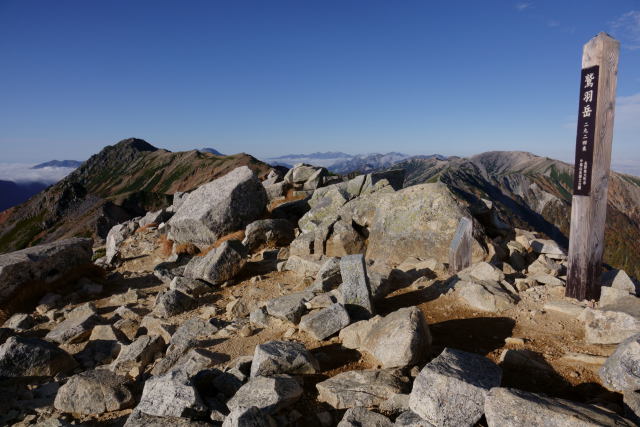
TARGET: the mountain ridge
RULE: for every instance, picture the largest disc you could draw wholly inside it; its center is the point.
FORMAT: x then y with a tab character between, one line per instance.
121	181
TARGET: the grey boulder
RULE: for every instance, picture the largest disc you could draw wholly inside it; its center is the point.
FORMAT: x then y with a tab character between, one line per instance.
355	287
282	357
49	262
94	392
171	395
171	303
401	338
250	417
117	234
268	232
450	390
33	357
323	323
269	394
361	388
621	371
506	407
74	329
220	264
219	207
359	416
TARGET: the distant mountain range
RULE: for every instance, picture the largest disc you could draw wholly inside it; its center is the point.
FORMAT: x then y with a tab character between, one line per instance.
19	182
211	151
343	163
58	164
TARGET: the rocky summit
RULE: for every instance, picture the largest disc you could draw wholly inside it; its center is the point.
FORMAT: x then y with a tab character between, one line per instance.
220	291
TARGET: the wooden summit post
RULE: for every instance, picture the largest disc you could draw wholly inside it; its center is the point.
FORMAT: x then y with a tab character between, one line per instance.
593	160
460	249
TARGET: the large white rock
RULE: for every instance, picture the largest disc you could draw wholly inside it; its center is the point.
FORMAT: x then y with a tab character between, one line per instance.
450	390
401	338
418	221
219	207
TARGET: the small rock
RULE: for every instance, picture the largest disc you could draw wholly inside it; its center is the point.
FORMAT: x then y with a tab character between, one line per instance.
193	287
481	272
289	307
323	323
619	279
486	297
411	419
269	394
139	353
361	388
564	307
19	322
172	303
171	395
282	357
220	264
74	329
609	326
359	416
249	417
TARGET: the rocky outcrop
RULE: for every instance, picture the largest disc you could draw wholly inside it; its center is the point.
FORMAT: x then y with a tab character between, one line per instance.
219	207
40	264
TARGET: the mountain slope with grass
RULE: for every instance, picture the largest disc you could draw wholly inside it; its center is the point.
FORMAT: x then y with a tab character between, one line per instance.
122	181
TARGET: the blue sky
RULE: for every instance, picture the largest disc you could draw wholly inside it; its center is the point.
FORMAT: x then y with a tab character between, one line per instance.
276	77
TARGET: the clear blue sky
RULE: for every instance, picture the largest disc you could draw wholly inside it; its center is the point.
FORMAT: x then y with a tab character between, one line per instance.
275	77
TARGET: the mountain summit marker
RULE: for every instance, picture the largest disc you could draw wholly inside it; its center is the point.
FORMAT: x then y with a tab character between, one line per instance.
592	163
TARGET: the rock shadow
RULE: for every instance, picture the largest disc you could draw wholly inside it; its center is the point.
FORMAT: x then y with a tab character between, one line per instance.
480	335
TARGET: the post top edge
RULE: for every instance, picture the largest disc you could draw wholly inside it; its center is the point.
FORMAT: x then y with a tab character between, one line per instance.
604	35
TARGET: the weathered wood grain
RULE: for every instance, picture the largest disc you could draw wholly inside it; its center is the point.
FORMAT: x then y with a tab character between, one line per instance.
460	249
588	213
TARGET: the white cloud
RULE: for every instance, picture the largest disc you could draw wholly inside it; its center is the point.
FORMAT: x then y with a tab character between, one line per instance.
523	5
22	172
626	28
